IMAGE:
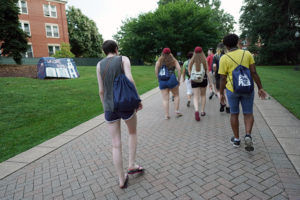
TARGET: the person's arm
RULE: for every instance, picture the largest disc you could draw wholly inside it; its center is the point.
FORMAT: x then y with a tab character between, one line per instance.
183	73
156	69
128	74
208	77
261	93
100	83
179	71
222	88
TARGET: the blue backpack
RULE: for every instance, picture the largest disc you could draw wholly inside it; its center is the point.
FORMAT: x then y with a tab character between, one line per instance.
242	81
164	74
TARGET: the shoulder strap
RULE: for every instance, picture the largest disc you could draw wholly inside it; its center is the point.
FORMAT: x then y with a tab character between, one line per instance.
242	57
231	59
122	67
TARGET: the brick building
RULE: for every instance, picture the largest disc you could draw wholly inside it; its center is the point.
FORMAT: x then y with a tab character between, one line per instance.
46	23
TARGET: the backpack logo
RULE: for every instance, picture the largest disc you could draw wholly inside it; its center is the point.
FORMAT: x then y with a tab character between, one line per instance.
244	80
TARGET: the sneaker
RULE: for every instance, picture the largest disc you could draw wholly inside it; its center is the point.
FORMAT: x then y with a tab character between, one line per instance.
248	143
211	95
197	117
222	108
188	104
235	143
227	109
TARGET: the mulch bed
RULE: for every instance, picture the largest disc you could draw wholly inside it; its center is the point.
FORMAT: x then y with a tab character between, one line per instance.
29	71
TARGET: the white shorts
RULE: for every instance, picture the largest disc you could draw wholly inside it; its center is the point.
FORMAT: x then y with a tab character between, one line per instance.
188	84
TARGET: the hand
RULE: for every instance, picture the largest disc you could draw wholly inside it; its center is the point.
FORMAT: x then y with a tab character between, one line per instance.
262	94
222	99
140	106
210	86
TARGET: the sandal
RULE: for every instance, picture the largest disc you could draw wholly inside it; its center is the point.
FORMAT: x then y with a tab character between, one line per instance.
125	185
139	169
167	117
203	113
178	114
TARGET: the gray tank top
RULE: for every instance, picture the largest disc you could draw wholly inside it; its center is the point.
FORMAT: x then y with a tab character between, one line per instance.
113	70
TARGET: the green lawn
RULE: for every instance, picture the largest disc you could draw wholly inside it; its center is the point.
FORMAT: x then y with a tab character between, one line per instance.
33	111
282	83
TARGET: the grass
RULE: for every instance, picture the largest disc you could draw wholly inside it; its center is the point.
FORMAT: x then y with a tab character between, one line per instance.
33	111
282	83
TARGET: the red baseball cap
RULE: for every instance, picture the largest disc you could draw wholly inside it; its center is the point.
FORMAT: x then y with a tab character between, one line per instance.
198	50
166	50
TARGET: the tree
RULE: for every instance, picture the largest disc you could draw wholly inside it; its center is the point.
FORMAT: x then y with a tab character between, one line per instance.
85	40
64	52
273	38
180	25
13	40
225	20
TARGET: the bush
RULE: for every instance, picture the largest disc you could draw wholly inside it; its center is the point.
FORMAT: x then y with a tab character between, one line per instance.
64	52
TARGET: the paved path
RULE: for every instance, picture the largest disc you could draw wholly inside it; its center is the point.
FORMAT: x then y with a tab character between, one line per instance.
184	159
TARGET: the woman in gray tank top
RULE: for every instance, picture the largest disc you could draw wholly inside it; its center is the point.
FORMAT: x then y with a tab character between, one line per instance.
107	70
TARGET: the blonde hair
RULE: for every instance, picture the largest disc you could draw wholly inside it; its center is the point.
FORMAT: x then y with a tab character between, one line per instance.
197	59
167	59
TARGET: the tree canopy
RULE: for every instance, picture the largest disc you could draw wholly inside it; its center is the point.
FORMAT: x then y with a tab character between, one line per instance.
13	40
85	40
179	24
273	25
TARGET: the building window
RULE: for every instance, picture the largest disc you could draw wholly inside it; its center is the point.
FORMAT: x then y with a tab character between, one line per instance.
52	31
49	10
52	49
22	4
29	52
25	27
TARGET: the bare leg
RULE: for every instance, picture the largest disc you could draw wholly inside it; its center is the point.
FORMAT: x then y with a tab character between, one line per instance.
175	92
115	131
196	92
132	140
248	120
165	96
203	98
234	120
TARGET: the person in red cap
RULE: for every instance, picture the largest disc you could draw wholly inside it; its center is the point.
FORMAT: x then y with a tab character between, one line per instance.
165	72
198	71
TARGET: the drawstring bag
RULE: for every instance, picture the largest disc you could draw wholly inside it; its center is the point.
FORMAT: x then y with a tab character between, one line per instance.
125	94
242	81
197	76
164	73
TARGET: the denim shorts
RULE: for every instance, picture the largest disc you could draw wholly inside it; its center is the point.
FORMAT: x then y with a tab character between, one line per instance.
115	116
170	84
245	99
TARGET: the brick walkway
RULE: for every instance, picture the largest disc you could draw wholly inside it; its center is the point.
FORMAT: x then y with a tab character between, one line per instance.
184	159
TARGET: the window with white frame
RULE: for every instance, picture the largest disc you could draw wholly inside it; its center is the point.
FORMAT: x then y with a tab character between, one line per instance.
22	4
29	52
52	30
49	10
25	27
53	48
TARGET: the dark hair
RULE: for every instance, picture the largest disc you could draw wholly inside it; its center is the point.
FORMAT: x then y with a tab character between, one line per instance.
109	46
231	40
190	55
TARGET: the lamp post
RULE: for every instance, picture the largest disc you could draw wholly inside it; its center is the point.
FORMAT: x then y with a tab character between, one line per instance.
297	35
